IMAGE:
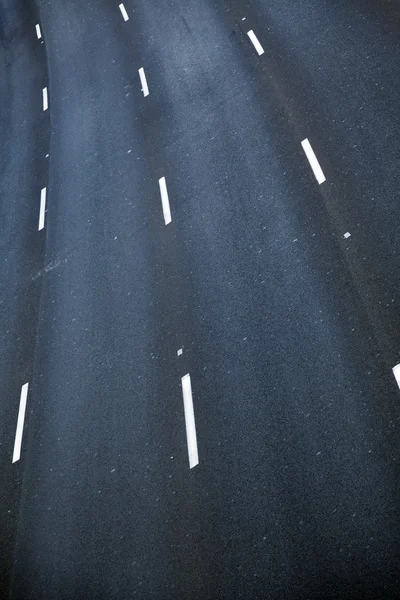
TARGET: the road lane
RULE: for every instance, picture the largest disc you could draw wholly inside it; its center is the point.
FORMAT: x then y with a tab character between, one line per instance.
24	138
107	406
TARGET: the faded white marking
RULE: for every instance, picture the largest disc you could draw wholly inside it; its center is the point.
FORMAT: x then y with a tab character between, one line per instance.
347	235
143	81
49	267
165	200
20	423
312	159
179	351
42	208
123	11
190	422
256	43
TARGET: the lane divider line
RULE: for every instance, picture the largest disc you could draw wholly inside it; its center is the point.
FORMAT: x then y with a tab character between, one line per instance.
123	11
45	99
165	200
396	373
38	31
256	43
190	422
312	159
20	423
42	209
143	81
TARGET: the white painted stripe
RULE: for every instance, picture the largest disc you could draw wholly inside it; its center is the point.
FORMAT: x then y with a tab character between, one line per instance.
256	43
123	11
38	32
189	420
165	200
42	208
143	81
396	373
312	159
45	99
20	423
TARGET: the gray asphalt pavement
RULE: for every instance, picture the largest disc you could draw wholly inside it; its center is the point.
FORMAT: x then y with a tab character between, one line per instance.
279	296
24	135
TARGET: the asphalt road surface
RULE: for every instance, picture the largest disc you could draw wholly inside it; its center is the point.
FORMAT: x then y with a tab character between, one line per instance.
200	299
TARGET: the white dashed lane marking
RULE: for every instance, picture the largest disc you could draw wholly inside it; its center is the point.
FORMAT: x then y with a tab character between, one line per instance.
143	81
256	43
20	423
165	200
312	159
396	373
189	420
45	99
123	12
38	31
42	208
